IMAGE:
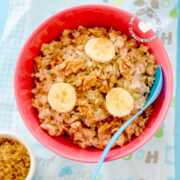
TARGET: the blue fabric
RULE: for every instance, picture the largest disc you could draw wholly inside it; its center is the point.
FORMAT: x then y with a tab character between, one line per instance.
177	115
4	4
23	17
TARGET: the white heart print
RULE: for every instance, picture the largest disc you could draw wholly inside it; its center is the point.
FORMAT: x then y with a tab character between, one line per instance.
144	27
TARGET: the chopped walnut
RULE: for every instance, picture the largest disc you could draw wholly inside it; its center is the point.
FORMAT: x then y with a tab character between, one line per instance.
126	67
86	82
86	112
52	129
71	66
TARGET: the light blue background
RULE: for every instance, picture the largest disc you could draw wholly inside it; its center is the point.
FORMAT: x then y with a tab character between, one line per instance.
3	16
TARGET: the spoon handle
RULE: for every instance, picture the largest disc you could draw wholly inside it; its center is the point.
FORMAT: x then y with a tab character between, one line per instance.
155	90
111	142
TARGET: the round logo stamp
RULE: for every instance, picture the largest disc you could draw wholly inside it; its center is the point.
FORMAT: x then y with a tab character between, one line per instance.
152	22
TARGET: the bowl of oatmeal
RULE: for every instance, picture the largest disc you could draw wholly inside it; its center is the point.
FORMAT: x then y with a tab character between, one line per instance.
16	157
81	75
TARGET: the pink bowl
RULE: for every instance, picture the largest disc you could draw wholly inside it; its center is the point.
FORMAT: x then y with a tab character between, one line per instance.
88	15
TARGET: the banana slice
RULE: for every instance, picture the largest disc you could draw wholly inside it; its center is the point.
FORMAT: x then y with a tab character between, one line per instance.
100	49
62	97
119	102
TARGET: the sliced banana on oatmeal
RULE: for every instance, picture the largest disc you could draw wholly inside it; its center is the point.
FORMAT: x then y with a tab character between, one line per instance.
62	97
100	49
119	102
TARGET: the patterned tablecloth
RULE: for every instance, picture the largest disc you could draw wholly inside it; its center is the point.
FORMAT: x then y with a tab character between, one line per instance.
154	161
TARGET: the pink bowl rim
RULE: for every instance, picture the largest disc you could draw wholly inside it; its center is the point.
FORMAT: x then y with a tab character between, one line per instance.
63	154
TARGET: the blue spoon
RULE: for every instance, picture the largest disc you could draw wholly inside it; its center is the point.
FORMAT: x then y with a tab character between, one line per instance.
155	91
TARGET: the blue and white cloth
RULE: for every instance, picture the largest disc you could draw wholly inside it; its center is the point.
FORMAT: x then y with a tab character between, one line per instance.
154	161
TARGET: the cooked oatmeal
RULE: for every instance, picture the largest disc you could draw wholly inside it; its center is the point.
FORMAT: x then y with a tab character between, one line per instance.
14	160
89	123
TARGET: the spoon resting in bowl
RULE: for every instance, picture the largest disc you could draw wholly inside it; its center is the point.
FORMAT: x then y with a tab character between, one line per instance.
155	91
